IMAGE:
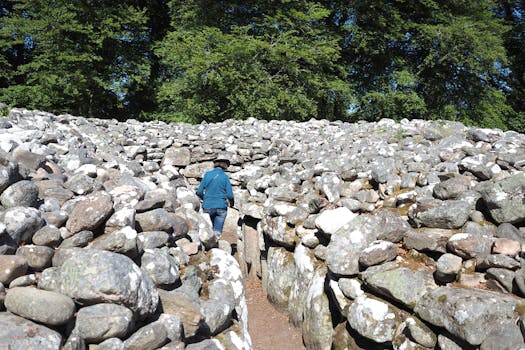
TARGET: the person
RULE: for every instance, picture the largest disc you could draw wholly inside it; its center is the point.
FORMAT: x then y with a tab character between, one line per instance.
216	191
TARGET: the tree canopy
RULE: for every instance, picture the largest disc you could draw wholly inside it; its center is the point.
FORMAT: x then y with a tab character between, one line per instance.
199	60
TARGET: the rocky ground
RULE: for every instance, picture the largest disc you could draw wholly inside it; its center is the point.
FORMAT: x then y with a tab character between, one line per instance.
386	235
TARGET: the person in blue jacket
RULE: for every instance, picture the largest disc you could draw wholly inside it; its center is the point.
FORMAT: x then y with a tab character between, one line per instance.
216	191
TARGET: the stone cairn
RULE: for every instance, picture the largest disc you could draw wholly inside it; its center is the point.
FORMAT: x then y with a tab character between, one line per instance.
385	235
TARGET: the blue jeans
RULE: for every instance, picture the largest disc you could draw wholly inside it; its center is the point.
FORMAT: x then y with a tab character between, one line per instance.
217	216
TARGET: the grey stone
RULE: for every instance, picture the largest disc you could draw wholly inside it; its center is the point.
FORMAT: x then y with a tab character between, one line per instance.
123	241
377	253
186	308
100	322
469	246
461	311
509	231
451	188
279	232
152	239
79	239
504	276
373	318
447	267
11	267
111	344
80	184
401	284
281	272
24	281
38	257
347	243
317	327
218	308
304	270
154	220
428	239
207	344
97	276
149	337
47	236
446	214
19	333
20	225
160	266
90	213
504	335
504	198
38	305
20	194
329	221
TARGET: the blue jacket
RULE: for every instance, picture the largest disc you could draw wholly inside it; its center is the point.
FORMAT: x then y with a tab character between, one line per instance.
215	189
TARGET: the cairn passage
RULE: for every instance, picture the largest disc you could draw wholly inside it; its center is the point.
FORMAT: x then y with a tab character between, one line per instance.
384	235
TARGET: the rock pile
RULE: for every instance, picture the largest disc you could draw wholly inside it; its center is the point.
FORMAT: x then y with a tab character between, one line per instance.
103	245
400	235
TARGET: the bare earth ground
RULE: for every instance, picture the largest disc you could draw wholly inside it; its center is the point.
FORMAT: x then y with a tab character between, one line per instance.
269	329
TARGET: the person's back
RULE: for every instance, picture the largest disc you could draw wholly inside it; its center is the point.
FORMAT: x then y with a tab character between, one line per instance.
216	191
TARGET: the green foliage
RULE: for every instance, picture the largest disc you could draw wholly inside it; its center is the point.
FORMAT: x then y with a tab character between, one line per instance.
75	55
280	66
278	59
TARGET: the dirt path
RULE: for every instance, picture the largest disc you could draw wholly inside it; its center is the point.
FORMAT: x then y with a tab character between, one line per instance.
269	329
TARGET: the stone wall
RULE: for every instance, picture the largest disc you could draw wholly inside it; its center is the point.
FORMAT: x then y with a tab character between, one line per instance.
379	235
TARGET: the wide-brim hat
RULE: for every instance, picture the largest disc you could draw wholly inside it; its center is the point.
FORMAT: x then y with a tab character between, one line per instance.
222	160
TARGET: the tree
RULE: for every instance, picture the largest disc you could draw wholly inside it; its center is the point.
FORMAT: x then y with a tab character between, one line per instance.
513	78
430	59
240	59
78	55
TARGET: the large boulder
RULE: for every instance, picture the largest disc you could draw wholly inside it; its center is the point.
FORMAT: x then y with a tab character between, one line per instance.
93	276
317	328
281	271
469	314
402	284
347	243
504	198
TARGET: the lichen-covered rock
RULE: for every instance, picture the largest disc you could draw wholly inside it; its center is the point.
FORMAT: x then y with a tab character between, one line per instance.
304	270
462	311
281	271
160	266
154	220
98	276
20	194
504	198
445	214
374	319
405	285
347	243
317	327
21	223
329	221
